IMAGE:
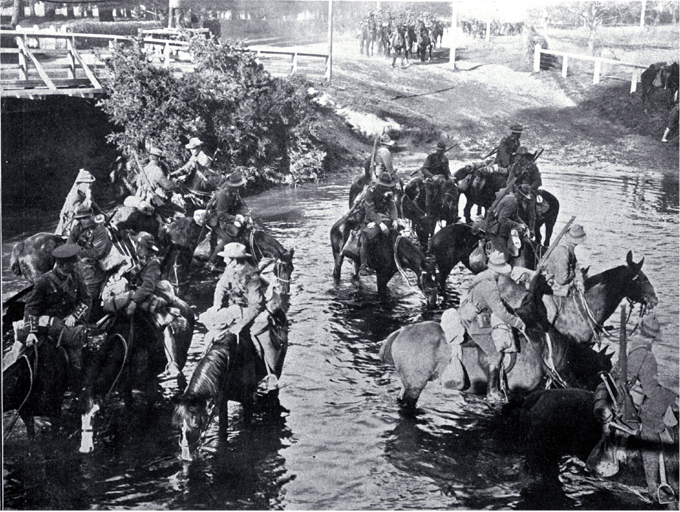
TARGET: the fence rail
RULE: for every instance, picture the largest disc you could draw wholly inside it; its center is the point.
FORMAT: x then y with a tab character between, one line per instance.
598	64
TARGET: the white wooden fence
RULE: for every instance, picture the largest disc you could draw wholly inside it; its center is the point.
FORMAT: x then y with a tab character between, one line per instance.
598	64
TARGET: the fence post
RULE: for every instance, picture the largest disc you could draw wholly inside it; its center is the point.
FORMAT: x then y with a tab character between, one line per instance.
23	67
633	81
294	64
565	61
537	58
596	74
166	55
70	45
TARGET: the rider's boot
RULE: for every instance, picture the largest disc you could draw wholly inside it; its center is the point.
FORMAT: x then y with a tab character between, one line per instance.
665	135
551	308
363	255
75	357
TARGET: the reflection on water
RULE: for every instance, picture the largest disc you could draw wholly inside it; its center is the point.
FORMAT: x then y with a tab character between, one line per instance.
344	445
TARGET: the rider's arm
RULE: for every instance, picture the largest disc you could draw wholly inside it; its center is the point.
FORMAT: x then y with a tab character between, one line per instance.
558	264
220	292
447	169
101	245
36	303
503	156
186	168
256	302
150	275
493	300
392	210
425	169
507	212
369	207
84	305
658	398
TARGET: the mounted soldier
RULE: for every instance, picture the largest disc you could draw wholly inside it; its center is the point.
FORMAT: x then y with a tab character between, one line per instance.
380	215
503	223
383	158
228	217
79	195
656	404
96	244
486	318
508	146
525	172
196	173
59	307
437	163
563	272
143	218
153	185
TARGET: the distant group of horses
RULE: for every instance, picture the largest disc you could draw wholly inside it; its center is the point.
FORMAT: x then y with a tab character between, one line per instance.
399	38
659	75
477	29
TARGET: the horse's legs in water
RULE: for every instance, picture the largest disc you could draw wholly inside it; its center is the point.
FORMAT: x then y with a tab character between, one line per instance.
29	422
223	417
490	360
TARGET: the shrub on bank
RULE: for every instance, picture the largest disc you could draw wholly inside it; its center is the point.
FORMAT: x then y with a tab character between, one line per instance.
114	28
251	119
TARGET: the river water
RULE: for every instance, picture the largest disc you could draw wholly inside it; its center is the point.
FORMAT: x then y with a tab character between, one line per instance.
343	443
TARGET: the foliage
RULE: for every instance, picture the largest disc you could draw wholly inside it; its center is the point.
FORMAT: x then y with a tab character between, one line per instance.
116	28
228	101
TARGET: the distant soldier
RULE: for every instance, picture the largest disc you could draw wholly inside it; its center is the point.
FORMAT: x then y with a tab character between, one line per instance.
194	171
79	195
381	215
505	219
526	172
437	163
672	128
154	185
508	146
383	158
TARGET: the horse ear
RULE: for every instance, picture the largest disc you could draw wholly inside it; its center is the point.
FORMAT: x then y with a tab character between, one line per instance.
635	267
629	259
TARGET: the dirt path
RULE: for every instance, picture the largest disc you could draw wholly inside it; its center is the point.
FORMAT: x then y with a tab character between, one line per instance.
475	105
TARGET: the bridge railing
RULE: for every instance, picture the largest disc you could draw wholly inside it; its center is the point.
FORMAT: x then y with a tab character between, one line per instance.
597	69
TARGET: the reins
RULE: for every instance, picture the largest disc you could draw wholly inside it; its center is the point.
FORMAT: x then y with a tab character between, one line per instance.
398	263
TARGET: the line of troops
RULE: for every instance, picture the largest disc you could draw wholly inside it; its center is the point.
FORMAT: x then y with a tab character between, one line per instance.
88	282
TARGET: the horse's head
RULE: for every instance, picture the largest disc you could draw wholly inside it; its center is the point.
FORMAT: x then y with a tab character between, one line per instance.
427	280
639	289
191	417
283	269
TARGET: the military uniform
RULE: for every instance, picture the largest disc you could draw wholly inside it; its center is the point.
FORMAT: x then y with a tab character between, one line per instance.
506	149
159	188
240	290
138	222
383	162
54	298
194	171
562	269
96	246
505	219
436	163
228	204
380	208
525	172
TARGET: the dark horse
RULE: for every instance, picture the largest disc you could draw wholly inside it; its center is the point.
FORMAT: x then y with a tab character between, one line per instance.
386	258
231	369
35	385
129	356
454	244
426	202
424	45
33	257
400	44
668	78
420	353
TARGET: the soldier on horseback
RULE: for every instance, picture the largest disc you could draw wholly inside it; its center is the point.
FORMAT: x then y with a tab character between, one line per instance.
228	216
142	219
437	163
525	171
79	195
381	215
383	158
96	244
508	146
153	185
59	307
196	169
563	272
485	317
503	223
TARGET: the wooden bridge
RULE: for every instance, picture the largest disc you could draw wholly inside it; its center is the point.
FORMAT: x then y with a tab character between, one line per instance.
37	63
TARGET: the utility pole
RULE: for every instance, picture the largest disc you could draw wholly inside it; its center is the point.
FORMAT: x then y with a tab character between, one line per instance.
453	35
329	70
642	13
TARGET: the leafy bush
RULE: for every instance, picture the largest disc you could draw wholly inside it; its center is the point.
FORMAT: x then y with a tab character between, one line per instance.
229	101
115	28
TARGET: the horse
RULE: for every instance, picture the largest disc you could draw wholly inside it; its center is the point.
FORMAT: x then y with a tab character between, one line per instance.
360	182
367	37
604	292
425	202
35	385
129	356
385	258
559	422
437	32
666	76
400	44
232	368
420	353
384	38
483	195
455	243
424	45
33	257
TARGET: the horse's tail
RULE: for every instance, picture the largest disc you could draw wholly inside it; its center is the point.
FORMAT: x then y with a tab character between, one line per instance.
385	354
14	263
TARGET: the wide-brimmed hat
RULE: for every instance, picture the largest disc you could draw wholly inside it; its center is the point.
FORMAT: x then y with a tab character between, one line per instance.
85	177
156	152
516	128
576	234
83	212
236	179
498	264
650	326
385	180
385	140
144	239
194	143
67	251
524	191
441	145
234	250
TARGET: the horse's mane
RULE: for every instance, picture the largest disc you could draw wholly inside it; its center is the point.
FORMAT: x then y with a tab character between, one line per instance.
607	276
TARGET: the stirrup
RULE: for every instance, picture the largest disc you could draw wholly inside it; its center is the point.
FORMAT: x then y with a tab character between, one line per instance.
267	385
